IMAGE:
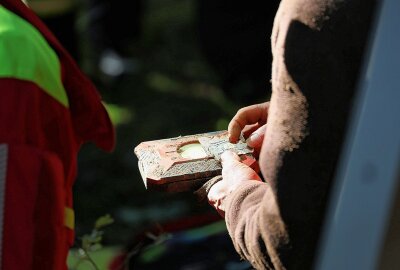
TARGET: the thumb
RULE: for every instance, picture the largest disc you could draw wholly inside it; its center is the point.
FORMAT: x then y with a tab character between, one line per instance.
229	158
234	172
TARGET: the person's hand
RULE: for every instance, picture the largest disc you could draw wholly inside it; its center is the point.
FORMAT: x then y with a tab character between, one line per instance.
251	121
234	173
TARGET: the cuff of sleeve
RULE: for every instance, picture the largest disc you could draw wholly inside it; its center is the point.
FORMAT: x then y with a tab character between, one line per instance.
246	195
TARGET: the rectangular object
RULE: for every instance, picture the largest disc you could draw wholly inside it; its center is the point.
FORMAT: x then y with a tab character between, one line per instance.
185	163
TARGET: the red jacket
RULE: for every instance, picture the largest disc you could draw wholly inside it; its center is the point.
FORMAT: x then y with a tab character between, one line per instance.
48	108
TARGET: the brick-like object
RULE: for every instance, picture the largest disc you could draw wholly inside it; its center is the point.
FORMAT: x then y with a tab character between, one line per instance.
163	168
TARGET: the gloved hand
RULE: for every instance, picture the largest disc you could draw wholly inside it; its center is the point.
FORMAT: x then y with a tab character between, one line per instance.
234	173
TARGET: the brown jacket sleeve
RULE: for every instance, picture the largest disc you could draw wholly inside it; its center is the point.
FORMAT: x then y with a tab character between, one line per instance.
317	48
254	223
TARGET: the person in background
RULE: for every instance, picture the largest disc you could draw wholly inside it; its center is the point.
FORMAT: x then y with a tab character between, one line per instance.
317	51
48	109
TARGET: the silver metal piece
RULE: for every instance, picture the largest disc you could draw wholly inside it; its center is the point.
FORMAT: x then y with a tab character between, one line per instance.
215	146
3	175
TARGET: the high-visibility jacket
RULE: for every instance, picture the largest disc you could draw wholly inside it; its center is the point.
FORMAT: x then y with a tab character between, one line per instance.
48	108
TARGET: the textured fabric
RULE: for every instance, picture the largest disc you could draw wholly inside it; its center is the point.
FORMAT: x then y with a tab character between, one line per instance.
34	235
89	117
202	192
317	48
33	59
44	137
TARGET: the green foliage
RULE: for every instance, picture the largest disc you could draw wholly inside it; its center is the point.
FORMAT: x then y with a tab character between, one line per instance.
103	222
174	92
118	114
92	242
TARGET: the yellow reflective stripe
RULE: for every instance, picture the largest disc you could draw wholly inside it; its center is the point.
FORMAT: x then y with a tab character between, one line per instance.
26	55
69	218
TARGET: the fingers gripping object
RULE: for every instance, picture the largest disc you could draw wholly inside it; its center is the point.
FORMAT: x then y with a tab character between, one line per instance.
185	163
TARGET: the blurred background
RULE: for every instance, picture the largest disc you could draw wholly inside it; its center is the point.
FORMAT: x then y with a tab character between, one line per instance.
164	68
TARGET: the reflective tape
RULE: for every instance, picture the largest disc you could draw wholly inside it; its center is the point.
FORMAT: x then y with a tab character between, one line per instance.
26	55
3	175
69	218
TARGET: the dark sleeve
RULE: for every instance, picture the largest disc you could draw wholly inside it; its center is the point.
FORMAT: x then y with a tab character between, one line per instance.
318	49
255	225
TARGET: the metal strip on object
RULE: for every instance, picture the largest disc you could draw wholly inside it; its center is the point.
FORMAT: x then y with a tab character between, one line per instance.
3	175
215	146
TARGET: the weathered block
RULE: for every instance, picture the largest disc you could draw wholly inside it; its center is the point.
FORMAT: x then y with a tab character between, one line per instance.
184	163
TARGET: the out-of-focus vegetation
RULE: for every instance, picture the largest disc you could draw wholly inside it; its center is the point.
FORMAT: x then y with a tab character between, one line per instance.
89	244
101	258
170	90
173	92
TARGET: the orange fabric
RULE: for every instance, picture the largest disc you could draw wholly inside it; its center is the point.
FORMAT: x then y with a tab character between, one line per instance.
34	235
89	117
44	138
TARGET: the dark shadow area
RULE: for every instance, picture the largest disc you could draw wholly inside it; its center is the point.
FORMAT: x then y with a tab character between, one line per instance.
164	69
